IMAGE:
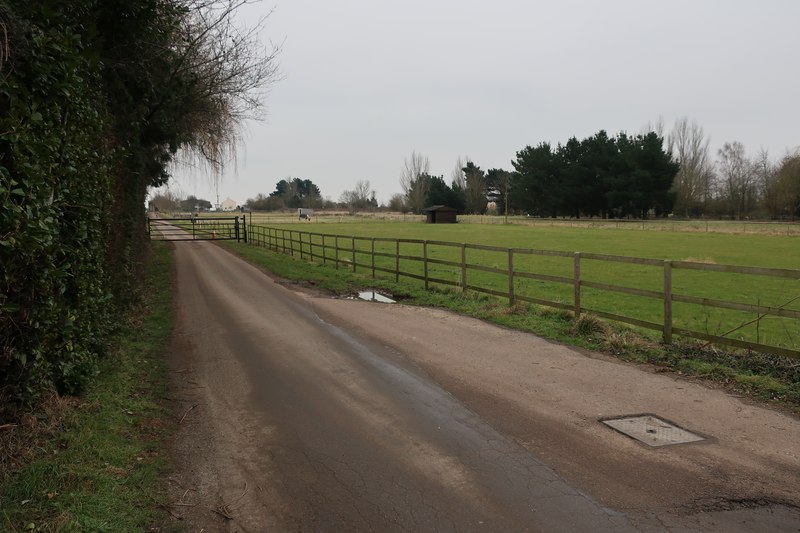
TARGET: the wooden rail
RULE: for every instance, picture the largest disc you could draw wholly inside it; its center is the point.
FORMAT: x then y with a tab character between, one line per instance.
352	252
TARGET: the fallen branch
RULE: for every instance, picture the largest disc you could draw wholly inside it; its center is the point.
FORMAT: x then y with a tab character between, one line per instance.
187	412
225	510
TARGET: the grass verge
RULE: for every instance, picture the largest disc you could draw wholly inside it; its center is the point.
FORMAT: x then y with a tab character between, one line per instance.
96	463
765	377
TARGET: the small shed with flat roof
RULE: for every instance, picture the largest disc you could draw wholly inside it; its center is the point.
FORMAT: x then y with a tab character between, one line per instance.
440	214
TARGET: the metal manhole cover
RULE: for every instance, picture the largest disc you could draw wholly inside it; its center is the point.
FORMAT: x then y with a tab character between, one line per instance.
652	430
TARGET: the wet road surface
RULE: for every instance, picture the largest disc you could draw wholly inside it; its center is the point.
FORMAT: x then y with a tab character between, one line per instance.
293	423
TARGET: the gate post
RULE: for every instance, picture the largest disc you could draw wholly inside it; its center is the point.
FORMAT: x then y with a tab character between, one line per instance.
236	228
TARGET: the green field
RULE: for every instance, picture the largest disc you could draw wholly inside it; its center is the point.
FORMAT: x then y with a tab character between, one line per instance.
768	251
743	227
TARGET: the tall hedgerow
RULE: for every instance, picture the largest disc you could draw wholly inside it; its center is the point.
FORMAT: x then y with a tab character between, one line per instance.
96	100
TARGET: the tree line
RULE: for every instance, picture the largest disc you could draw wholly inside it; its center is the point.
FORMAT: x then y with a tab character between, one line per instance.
735	185
636	176
597	176
622	176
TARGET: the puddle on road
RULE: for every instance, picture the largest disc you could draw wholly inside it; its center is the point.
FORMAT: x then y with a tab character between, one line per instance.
372	296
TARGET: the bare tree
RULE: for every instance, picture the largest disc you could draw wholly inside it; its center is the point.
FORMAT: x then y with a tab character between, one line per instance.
360	197
688	144
766	176
457	175
736	178
231	72
165	201
656	127
413	180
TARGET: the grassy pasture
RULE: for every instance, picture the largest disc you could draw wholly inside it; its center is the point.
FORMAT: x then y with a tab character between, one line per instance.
743	227
716	248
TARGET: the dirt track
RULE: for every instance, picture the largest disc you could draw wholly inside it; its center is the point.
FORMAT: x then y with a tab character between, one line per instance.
301	412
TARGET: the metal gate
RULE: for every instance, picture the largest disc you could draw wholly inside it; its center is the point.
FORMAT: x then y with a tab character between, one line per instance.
194	228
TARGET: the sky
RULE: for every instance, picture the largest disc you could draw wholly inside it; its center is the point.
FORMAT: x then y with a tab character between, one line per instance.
365	83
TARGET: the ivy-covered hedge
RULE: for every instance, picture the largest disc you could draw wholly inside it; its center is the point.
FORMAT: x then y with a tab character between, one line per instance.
56	189
96	97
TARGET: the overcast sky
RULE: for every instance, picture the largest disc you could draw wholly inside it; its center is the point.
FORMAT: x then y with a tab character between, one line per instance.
367	82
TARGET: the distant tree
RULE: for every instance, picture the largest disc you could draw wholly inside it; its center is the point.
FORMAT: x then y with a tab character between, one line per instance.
413	180
641	177
656	127
597	156
439	193
165	201
573	180
360	197
538	187
192	203
788	184
598	176
736	179
264	203
475	192
457	180
397	203
688	144
297	192
499	183
766	176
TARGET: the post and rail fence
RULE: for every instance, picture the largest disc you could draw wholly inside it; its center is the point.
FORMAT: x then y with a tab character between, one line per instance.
383	255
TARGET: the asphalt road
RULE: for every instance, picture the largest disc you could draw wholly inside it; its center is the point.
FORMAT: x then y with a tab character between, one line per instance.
291	420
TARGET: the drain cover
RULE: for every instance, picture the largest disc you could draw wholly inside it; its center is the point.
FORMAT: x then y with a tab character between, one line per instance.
652	430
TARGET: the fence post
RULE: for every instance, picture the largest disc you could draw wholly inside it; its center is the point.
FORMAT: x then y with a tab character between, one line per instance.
311	245
283	240
577	284
667	302
291	242
464	267
354	253
244	228
372	255
324	255
336	252
397	261
300	235
510	276
425	262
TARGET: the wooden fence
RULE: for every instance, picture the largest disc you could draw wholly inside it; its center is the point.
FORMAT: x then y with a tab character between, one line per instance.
449	266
